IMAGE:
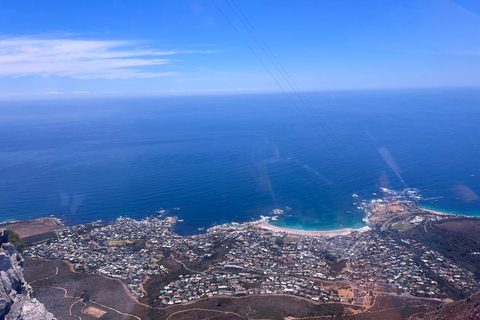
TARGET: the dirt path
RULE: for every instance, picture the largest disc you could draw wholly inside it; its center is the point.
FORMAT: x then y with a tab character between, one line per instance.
395	308
185	267
130	295
71	306
201	309
166	308
374	300
117	311
65	295
49	277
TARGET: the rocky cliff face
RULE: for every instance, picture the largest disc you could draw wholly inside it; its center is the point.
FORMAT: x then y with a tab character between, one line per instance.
15	294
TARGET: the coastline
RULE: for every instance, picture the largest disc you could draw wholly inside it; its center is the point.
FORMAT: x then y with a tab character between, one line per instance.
263	224
32	227
443	213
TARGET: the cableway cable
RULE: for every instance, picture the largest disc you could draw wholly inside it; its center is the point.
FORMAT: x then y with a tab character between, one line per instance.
286	76
268	52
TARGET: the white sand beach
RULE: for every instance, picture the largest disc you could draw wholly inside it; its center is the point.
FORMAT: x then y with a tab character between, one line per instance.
330	233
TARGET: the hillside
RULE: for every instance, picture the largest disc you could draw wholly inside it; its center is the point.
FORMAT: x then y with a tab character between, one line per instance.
16	301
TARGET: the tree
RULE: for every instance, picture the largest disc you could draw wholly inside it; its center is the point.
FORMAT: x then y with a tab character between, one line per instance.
15	239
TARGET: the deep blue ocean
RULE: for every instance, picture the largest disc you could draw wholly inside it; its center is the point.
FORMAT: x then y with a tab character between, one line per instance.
234	158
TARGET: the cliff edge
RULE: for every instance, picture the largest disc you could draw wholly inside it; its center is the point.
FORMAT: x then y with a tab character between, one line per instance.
16	300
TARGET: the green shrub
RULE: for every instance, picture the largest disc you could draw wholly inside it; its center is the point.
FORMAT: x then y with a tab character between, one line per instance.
15	239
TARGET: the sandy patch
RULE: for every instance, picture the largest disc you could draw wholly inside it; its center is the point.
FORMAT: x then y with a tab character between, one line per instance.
94	312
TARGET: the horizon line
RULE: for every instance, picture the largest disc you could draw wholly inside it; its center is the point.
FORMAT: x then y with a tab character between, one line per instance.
87	95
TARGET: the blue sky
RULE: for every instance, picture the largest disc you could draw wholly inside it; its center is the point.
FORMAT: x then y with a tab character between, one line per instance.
78	48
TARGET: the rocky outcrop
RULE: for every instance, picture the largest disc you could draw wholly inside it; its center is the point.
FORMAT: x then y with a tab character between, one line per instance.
16	300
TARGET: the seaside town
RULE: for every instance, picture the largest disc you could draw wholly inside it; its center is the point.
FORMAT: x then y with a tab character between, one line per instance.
258	258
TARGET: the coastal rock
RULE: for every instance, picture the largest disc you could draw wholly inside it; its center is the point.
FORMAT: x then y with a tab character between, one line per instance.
16	302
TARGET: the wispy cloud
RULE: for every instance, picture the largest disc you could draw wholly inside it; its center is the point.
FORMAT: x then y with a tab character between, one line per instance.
216	90
80	59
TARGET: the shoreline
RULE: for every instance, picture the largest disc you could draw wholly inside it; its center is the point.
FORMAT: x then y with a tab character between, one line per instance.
263	224
33	227
452	213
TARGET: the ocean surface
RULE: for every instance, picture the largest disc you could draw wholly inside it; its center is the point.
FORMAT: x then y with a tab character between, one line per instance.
219	159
